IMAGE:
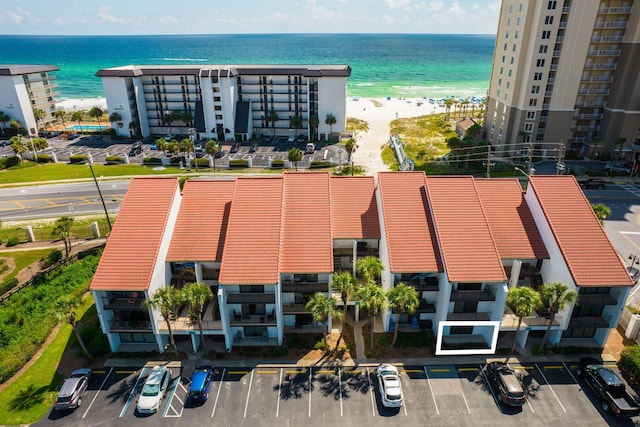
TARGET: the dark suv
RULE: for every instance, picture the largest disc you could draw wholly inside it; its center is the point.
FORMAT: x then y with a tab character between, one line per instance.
593	183
136	148
70	395
509	388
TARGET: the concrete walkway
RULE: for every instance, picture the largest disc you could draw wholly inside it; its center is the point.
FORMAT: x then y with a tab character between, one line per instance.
361	355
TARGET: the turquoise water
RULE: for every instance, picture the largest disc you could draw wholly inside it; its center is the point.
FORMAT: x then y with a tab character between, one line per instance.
396	65
86	127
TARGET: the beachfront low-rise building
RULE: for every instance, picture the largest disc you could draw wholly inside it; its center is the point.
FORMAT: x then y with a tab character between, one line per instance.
228	102
265	245
26	88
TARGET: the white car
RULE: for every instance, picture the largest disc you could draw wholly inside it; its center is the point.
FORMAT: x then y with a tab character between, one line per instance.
153	390
291	139
390	387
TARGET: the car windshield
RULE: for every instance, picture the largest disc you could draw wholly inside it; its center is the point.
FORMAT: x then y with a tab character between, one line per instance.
150	389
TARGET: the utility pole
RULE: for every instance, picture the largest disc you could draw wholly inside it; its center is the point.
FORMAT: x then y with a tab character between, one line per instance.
488	160
530	157
106	212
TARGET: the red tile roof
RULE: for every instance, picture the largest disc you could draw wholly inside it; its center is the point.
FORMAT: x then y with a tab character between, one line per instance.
407	223
512	226
252	245
202	221
468	250
590	257
306	245
134	243
354	212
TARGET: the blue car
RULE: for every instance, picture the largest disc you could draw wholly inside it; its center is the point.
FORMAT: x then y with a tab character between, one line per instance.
200	383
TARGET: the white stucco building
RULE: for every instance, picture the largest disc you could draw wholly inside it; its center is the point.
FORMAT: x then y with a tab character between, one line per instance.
226	102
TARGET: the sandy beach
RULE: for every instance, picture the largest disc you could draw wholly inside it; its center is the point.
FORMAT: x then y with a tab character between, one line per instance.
86	104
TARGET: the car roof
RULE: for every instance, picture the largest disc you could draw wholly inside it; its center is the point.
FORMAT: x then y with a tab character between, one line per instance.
69	386
155	376
199	377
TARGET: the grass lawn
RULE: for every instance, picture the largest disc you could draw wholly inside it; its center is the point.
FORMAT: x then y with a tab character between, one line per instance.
27	399
23	259
43	230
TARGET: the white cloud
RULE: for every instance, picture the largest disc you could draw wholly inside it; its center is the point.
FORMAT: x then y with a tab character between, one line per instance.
396	4
104	13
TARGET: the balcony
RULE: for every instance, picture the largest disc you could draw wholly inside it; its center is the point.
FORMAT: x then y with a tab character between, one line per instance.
469	317
600	66
467	296
132	303
613	24
589	104
130	326
510	320
252	320
210	320
585	128
597	299
423	283
613	10
305	287
604	52
598	91
251	298
426	307
293	308
590	322
588	116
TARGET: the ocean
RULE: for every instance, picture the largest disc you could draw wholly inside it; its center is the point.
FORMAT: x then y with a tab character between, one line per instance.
383	65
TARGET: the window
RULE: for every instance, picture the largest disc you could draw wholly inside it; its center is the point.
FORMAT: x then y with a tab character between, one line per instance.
501	70
531	115
499	82
505	46
540	62
537	76
503	59
551	5
548	20
543	48
546	35
514	47
533	102
516	35
528	127
520	8
506	35
535	89
510	73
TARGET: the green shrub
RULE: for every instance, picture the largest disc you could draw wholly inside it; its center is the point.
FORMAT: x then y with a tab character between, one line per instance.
152	161
316	164
238	163
13	241
54	256
3	266
277	164
44	158
8	284
114	160
7	162
630	361
78	158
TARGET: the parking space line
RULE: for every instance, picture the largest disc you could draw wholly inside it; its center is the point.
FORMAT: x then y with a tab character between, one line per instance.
310	375
246	404
571	373
279	394
170	401
465	401
441	370
133	392
551	388
99	389
467	369
340	384
218	394
433	396
412	371
373	400
486	380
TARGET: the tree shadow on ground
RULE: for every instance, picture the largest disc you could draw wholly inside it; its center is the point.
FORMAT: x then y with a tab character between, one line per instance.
28	397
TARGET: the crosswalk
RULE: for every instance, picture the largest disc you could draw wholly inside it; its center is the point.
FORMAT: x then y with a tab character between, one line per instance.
631	189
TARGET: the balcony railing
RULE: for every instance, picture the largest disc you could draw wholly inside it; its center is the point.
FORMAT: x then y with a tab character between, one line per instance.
462	296
482	316
252	320
305	287
123	303
510	320
616	9
293	308
613	24
597	299
130	326
426	307
590	322
250	298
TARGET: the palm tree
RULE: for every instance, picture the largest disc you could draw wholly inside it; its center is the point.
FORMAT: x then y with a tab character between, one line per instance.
602	211
39	115
272	117
373	300
212	148
594	141
314	121
522	301
197	295
370	268
351	146
62	227
16	126
167	301
4	118
555	297
447	105
295	122
402	299
77	116
115	117
322	308
330	120
96	113
65	310
18	146
294	155
347	285
60	115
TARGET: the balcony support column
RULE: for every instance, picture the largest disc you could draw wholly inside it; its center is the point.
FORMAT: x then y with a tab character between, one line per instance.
198	269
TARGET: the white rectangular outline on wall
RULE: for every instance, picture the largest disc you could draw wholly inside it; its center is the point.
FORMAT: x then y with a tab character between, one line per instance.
466	352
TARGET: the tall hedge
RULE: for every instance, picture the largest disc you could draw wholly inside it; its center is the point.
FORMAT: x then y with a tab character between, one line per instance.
630	361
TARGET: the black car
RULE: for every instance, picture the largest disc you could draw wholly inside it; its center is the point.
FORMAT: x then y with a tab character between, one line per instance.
136	148
219	154
234	147
253	148
597	183
509	388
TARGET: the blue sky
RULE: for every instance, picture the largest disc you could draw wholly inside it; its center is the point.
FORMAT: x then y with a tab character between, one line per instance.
95	17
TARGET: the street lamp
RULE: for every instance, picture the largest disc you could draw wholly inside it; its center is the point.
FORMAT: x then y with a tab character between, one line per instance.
100	194
524	173
33	148
192	137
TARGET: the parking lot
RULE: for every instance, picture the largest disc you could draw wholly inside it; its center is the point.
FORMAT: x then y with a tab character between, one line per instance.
274	148
446	395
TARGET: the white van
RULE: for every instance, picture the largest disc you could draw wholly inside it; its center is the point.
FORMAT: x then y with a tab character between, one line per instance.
311	148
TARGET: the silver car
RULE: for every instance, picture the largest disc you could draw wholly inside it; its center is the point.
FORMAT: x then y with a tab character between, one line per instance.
70	395
390	387
153	390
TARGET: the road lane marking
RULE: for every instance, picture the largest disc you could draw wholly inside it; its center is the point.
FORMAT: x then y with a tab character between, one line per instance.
133	393
431	390
279	393
99	390
439	370
551	388
246	404
467	369
238	372
218	394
